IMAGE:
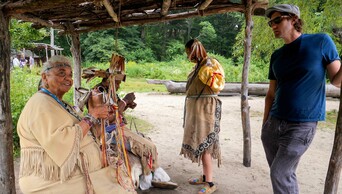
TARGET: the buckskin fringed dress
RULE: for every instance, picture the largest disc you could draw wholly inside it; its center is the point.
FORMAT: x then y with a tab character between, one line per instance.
55	157
202	112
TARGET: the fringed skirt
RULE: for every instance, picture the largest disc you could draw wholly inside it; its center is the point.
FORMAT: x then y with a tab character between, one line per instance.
201	128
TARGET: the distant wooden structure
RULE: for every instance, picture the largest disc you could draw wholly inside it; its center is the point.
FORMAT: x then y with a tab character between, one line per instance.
47	47
73	17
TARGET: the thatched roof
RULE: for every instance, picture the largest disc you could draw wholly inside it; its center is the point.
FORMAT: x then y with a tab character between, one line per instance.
78	16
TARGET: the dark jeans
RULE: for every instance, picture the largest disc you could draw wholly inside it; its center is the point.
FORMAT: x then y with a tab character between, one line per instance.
284	143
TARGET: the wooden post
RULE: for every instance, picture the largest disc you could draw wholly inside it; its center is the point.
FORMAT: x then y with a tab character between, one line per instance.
52	41
335	164
76	55
7	180
46	53
244	87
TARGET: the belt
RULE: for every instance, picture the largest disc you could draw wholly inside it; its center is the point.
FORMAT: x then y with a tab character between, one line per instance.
203	96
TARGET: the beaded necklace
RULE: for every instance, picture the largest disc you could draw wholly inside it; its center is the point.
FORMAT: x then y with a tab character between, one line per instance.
66	106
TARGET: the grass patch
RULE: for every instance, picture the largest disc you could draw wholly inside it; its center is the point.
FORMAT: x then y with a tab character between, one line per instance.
256	114
330	121
141	85
142	125
328	125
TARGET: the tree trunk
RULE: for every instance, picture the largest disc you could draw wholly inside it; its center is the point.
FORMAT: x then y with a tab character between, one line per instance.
244	87
76	54
334	170
257	89
7	180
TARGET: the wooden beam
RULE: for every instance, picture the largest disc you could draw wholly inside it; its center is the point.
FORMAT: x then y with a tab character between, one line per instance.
7	179
165	7
244	86
153	18
204	5
110	10
23	6
33	19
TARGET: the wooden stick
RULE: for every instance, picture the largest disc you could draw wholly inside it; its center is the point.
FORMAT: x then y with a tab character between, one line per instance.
165	7
103	144
110	10
204	5
33	19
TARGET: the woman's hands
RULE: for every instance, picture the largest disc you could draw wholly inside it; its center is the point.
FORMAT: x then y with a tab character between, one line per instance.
99	112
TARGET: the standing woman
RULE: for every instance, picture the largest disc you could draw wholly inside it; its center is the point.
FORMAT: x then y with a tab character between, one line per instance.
58	155
202	113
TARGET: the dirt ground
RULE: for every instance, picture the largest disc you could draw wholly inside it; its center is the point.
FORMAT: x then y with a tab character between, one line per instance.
165	113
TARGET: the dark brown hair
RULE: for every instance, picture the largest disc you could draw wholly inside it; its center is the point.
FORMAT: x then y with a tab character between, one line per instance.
298	25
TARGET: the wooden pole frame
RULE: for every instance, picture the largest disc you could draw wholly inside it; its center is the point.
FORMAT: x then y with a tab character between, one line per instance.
76	55
244	87
7	178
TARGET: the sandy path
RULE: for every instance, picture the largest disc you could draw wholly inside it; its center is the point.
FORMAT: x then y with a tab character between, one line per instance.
165	113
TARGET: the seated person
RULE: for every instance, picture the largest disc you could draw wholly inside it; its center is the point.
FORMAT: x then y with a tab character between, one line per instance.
58	155
137	144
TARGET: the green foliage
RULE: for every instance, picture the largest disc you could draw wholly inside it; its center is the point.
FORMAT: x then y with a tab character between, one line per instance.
23	35
318	17
23	85
226	26
177	69
330	122
141	125
174	49
141	55
139	85
99	46
207	33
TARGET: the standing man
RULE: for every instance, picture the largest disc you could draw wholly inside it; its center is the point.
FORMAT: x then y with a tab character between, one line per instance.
295	100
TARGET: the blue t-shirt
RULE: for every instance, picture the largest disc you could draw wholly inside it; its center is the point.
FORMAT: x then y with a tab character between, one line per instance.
299	69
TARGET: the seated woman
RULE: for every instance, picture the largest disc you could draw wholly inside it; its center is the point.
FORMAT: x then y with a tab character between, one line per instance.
140	146
58	155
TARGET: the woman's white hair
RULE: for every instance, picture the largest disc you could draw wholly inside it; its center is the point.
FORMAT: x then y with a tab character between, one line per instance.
55	61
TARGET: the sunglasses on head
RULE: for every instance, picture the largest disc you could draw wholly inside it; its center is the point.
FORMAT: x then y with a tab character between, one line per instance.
277	20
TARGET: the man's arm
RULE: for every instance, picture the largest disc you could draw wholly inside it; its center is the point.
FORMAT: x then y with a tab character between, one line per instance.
269	99
335	73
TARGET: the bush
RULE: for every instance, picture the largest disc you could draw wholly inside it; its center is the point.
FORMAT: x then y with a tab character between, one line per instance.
174	48
141	55
23	85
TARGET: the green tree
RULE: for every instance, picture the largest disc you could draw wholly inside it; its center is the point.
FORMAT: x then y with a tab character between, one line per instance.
99	46
23	35
207	33
227	26
318	16
174	49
